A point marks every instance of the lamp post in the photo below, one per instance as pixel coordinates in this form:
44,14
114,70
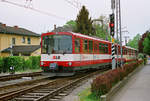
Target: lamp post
11,50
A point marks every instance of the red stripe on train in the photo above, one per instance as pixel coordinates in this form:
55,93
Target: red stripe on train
76,63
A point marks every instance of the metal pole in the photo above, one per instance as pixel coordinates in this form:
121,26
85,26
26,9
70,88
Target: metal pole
120,32
117,30
11,50
112,38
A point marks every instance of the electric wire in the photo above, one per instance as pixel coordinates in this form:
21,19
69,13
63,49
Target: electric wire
33,9
73,4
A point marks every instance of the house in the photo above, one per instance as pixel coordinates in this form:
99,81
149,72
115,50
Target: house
18,41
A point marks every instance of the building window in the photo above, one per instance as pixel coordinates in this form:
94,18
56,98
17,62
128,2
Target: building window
13,41
29,41
23,39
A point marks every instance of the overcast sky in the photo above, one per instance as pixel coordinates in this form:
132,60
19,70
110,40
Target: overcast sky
135,14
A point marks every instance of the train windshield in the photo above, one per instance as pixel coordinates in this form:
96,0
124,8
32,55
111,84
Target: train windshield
57,44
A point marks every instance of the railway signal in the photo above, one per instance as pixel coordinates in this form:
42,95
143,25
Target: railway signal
112,24
112,32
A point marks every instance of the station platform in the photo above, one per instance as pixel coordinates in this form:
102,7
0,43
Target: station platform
137,88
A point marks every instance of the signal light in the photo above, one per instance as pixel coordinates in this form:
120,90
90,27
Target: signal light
112,24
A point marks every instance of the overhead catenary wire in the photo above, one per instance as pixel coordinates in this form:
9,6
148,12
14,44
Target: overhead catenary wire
75,4
33,9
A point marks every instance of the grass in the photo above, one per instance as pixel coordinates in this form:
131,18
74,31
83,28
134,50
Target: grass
87,95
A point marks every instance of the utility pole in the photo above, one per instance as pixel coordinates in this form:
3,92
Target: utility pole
120,32
11,50
112,32
118,28
126,37
117,31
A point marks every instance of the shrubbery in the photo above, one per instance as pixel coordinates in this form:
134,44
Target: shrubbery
19,63
102,84
1,64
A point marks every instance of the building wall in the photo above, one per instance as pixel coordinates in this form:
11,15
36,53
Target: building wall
37,52
6,40
4,54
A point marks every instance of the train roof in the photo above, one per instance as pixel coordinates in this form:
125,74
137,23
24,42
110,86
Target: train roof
90,37
77,34
130,48
86,36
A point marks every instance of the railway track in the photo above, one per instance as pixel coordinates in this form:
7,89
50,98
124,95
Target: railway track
17,76
53,90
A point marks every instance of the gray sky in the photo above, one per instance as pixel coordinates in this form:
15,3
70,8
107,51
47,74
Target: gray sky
135,14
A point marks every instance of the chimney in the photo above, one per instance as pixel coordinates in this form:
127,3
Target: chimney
55,27
16,27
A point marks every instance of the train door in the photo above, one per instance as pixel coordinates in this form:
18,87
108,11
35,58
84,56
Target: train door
77,48
91,51
95,54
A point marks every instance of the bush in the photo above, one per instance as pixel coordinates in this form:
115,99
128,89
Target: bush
27,64
16,62
35,62
1,64
102,84
19,63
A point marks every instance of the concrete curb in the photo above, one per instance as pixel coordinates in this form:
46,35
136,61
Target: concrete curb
119,85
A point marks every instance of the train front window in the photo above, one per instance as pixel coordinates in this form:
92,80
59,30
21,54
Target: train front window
57,44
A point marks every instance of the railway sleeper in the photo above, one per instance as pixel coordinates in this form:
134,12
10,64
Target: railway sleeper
29,96
54,99
36,94
25,99
58,97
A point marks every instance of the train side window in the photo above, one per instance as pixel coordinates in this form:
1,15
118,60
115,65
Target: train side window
115,49
125,51
95,47
100,48
85,46
103,48
90,46
128,52
77,45
106,48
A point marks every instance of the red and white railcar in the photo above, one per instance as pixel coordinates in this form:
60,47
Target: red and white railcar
129,54
64,53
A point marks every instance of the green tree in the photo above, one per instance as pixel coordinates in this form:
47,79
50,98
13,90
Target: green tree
1,64
84,23
140,44
134,43
146,44
101,27
72,24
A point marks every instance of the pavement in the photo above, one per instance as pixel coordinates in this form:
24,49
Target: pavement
137,88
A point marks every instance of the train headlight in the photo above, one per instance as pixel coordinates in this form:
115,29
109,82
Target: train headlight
70,63
42,63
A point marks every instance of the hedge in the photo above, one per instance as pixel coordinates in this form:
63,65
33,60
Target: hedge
19,63
103,83
1,64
